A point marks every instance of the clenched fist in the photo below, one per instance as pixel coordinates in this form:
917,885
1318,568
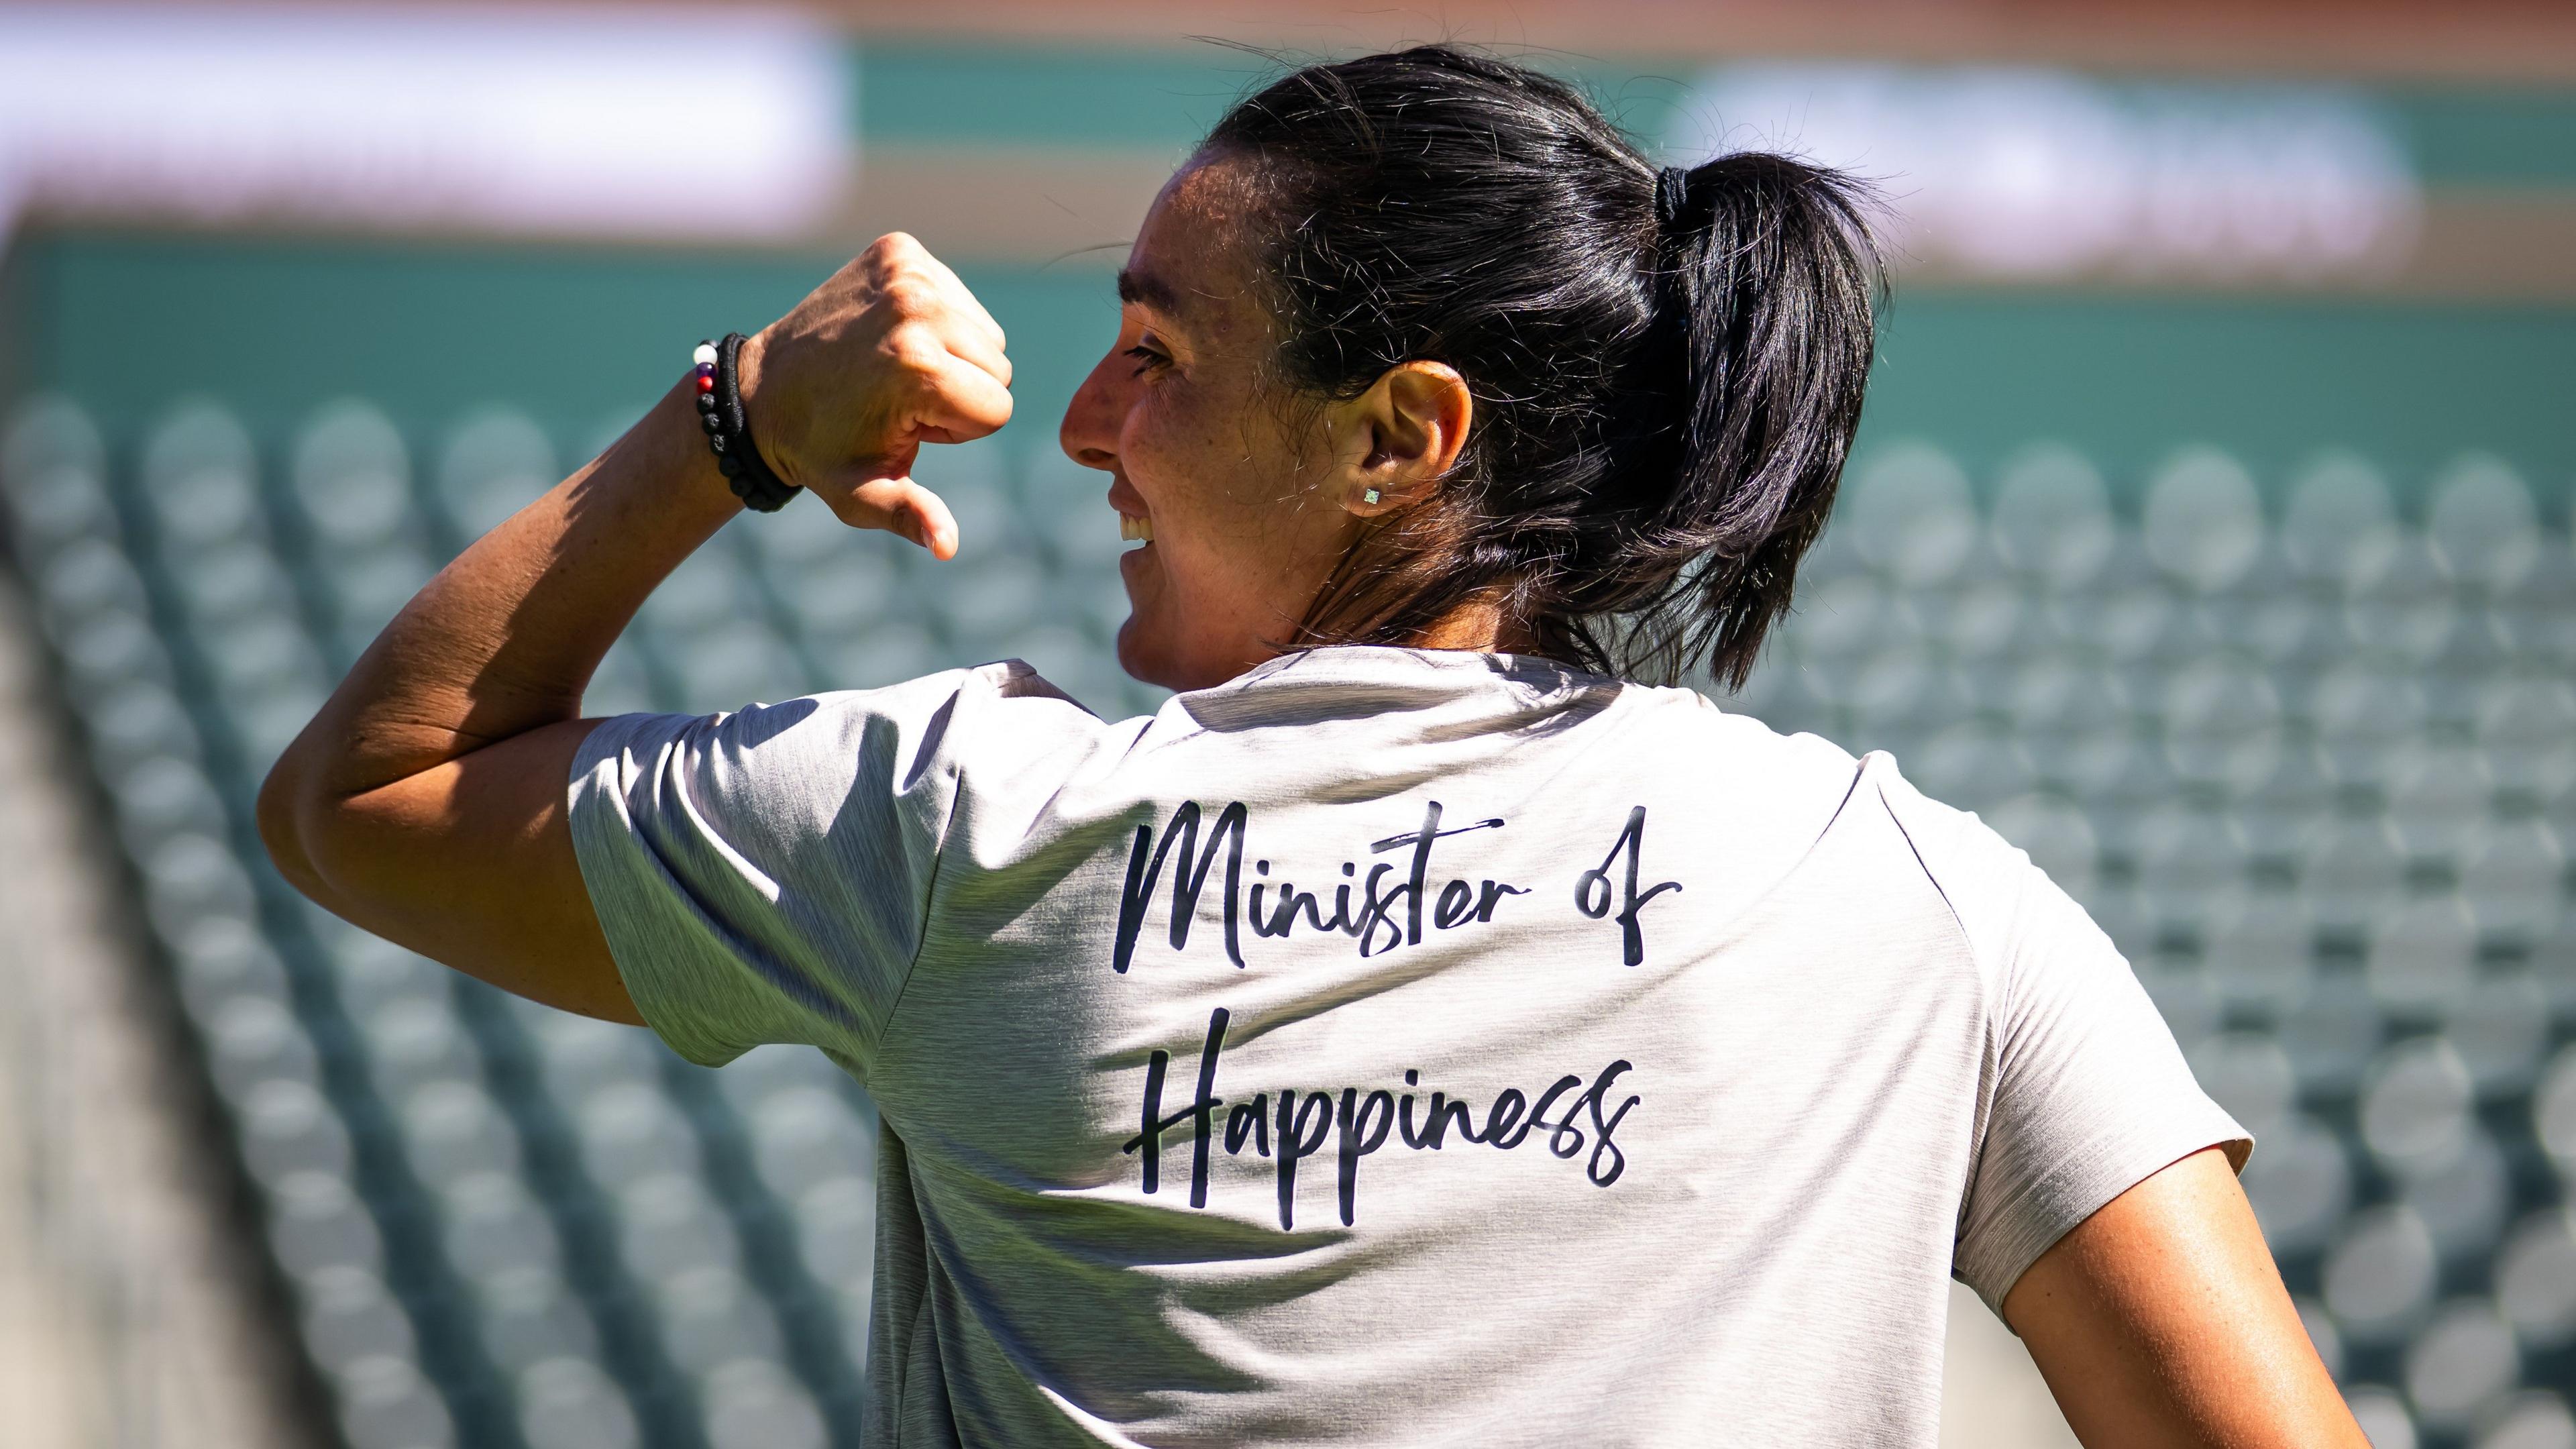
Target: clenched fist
891,352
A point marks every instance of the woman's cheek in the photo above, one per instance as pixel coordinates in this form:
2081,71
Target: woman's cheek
1149,452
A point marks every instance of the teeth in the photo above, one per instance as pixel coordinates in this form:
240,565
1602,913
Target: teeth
1132,528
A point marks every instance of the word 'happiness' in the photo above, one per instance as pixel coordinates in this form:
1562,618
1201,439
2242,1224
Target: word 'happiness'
1360,1121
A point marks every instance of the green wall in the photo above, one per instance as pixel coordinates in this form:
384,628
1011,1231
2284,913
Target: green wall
953,92
582,335
129,323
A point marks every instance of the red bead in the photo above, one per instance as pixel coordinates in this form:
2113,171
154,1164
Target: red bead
706,384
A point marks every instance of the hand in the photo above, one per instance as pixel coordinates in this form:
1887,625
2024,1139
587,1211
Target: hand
891,352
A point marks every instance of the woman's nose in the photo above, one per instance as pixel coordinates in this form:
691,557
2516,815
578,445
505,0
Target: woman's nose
1089,435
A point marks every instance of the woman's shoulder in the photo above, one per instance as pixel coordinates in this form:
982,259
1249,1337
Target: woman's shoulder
993,721
1004,707
1742,743
1745,757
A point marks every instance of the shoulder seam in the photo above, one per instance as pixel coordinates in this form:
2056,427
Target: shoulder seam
1991,1014
1957,921
1833,818
938,868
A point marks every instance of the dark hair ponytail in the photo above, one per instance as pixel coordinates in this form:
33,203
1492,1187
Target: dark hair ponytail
1667,366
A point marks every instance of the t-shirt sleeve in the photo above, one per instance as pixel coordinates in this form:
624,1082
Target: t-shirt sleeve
2089,1094
764,876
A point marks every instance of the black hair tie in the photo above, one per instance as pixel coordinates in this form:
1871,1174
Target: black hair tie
1672,187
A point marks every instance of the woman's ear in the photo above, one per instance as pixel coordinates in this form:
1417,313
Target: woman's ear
1404,434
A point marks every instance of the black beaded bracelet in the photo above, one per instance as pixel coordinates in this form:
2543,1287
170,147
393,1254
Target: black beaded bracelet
729,429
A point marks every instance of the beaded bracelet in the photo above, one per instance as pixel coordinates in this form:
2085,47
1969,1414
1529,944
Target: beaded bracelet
729,429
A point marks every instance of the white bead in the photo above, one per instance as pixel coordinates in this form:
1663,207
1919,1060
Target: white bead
705,356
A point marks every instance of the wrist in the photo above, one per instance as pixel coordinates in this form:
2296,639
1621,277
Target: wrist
725,415
761,414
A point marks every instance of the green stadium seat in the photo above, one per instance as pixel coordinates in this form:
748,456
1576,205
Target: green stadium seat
2383,1417
710,1316
2417,1104
2332,1034
414,1041
2350,867
631,1132
2464,1360
386,1403
490,466
287,1127
2500,1027
2534,1419
251,1038
2052,518
351,1317
754,1404
1067,507
2316,779
2407,612
569,1402
836,593
2261,952
2339,527
2223,726
2462,1192
2300,1184
2203,521
316,1223
2482,524
726,664
349,480
2250,1076
452,1128
2553,1112
2380,1274
2535,1279
2422,957
494,1227
199,479
878,655
669,1223
53,469
836,1219
1911,515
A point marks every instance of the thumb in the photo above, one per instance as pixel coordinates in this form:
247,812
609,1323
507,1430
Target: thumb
897,505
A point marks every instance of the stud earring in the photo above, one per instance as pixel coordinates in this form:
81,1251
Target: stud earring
1369,497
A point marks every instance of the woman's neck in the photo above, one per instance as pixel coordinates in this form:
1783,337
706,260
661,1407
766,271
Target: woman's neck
1477,625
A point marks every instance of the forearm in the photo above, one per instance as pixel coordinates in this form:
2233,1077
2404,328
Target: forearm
496,647
506,637
429,800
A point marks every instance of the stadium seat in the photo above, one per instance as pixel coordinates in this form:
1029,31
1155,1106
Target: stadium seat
2380,1274
2304,743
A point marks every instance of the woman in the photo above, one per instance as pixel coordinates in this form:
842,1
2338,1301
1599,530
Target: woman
1417,1031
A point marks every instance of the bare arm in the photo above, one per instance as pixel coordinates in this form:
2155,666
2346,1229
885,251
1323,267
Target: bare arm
2161,1321
426,802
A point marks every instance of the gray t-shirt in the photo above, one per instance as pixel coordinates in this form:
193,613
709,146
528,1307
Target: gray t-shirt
1390,1047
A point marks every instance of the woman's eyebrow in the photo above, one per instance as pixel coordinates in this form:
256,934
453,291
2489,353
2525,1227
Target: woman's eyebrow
1147,290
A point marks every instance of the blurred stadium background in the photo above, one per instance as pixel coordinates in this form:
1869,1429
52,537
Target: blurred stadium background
2211,534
